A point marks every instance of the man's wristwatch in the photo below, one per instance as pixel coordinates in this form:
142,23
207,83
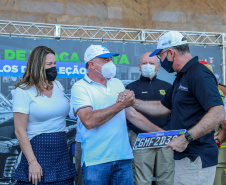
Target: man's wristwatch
188,136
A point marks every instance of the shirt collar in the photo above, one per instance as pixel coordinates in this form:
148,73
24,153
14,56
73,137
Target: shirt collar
89,80
147,79
187,66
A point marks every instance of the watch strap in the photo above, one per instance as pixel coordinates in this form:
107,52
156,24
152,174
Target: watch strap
188,136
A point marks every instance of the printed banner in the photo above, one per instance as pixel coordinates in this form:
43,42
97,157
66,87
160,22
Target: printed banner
65,69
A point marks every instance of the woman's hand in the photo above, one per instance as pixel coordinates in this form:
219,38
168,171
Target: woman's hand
35,172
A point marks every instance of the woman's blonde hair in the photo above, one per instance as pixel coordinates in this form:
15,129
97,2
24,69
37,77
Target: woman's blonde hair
35,70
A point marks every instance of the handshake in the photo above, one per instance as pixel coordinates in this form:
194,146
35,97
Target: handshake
126,98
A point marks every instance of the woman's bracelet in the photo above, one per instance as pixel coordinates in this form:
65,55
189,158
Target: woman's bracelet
31,160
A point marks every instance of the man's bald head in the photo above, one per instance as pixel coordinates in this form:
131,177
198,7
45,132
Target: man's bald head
145,59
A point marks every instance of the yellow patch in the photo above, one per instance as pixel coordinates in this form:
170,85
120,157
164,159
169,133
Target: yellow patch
162,92
221,92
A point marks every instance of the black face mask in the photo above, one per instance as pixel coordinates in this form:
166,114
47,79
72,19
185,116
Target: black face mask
51,73
167,65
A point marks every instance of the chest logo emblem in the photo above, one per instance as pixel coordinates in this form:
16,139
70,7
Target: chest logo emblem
183,88
162,92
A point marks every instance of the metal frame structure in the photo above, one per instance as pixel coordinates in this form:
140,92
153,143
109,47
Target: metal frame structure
77,32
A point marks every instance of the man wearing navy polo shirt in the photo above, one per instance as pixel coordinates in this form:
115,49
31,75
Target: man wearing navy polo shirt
195,104
106,151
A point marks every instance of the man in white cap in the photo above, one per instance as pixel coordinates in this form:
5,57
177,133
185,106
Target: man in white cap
106,151
195,104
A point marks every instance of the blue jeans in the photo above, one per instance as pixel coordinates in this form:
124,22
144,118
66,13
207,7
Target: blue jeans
112,173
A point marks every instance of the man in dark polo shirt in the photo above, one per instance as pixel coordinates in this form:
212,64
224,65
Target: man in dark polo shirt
147,88
195,104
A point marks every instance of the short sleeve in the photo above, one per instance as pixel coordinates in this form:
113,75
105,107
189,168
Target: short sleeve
204,88
21,101
167,99
79,97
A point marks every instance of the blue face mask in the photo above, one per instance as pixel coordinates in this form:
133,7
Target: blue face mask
167,65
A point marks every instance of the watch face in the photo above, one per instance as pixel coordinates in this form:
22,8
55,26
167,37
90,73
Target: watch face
188,136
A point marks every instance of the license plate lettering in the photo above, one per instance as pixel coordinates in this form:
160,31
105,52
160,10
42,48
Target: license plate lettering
157,140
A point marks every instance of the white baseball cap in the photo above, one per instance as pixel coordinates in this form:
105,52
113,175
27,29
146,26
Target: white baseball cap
169,39
97,51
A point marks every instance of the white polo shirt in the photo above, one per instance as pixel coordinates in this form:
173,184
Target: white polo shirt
108,142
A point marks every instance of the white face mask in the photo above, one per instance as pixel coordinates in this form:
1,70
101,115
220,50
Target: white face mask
148,70
108,70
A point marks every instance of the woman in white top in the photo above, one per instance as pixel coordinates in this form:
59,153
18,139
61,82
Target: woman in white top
39,111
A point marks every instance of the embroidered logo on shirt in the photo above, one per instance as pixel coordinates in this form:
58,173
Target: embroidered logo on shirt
162,92
183,88
144,92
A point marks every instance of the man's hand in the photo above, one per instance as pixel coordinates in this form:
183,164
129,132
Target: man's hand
126,98
222,135
121,97
178,144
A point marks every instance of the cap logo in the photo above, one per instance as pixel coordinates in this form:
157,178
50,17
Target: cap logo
163,44
104,49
